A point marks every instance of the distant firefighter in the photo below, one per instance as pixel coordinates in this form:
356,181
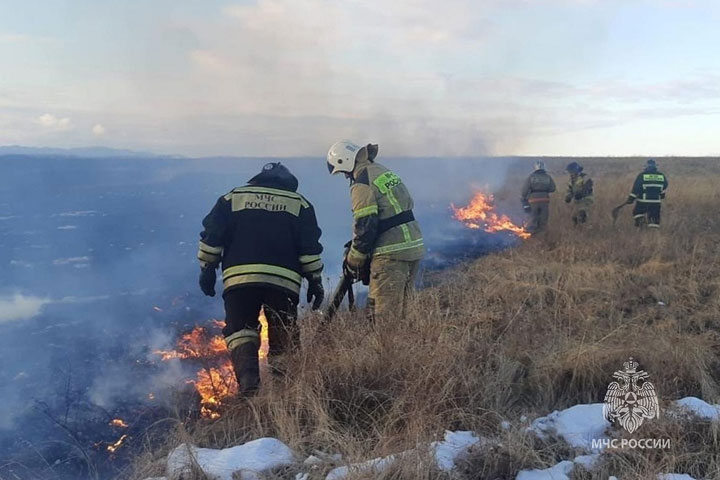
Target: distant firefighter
387,244
649,192
536,197
579,192
267,238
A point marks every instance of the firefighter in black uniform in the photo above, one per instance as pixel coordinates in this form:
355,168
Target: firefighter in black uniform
267,238
649,192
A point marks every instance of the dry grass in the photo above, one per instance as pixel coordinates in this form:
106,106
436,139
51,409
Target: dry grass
527,331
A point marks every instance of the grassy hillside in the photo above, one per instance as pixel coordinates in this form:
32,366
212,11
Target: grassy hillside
533,329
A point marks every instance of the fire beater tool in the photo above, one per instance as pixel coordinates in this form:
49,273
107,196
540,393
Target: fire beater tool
616,211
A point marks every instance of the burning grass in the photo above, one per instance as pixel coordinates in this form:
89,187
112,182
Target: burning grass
215,378
523,332
480,214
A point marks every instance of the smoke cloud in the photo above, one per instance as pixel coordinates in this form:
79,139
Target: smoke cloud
20,307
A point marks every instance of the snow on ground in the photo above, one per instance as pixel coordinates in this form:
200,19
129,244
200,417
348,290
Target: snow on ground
445,453
588,462
455,445
246,461
700,408
373,466
561,471
578,425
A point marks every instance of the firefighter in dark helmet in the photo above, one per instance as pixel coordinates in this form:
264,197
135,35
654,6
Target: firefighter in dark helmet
386,237
648,192
266,237
579,192
536,197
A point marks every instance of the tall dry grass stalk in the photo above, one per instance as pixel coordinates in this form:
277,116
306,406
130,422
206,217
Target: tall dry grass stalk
523,332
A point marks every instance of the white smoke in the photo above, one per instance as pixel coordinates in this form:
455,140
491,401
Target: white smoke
20,307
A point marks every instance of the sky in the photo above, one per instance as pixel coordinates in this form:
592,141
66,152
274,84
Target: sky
420,77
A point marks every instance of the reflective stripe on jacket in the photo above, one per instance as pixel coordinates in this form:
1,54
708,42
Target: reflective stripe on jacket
580,189
649,186
378,194
264,236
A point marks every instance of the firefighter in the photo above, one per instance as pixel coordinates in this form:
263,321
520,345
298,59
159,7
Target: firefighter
580,192
267,239
536,197
649,192
387,244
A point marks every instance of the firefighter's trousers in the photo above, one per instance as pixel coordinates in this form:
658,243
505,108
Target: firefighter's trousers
539,212
391,283
242,330
647,212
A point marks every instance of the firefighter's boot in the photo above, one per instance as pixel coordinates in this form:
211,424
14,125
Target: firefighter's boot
244,346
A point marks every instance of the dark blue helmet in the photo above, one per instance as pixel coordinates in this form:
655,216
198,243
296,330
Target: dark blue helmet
574,167
651,163
275,174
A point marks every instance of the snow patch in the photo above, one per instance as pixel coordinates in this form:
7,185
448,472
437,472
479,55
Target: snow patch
445,453
674,476
77,213
700,408
561,471
373,466
67,227
245,461
452,448
71,261
588,462
578,425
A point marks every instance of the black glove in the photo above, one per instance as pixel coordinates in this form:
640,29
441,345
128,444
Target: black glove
526,207
630,200
662,195
207,280
568,198
316,290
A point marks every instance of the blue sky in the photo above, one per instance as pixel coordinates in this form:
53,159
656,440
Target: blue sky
422,77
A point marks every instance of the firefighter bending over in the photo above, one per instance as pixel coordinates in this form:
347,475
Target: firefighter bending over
649,192
386,237
267,238
536,197
579,192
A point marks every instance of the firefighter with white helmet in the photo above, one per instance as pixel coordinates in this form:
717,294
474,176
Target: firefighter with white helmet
387,241
536,197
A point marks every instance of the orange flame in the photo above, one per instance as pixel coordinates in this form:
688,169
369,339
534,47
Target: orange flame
479,214
216,380
118,422
113,448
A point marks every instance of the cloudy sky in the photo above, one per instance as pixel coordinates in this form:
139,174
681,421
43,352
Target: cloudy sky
421,77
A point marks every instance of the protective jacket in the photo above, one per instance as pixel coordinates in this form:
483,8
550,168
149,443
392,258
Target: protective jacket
538,187
649,186
384,224
265,234
580,189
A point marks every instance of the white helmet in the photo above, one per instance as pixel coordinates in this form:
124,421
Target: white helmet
341,157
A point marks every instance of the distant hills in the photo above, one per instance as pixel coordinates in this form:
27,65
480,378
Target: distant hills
84,152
